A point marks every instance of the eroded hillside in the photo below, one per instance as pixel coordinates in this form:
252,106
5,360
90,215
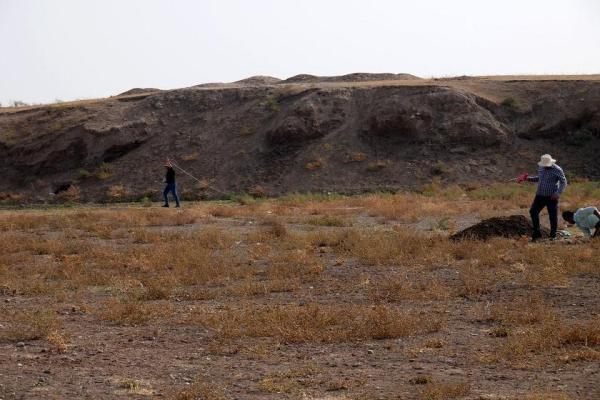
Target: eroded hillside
303,134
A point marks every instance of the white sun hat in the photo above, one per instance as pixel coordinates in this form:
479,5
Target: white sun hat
546,161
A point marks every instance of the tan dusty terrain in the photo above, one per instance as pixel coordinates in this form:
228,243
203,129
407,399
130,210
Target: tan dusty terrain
302,297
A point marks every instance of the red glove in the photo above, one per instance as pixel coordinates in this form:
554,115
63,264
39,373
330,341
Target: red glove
523,177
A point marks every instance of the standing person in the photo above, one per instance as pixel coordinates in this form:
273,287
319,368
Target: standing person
586,219
171,186
551,183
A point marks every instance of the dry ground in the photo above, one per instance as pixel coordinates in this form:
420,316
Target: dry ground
302,297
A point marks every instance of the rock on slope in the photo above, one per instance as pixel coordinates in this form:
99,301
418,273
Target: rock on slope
299,137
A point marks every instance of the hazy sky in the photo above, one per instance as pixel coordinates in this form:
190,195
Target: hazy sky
67,49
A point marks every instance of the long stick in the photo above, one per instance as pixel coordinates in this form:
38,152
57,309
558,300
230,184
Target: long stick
196,179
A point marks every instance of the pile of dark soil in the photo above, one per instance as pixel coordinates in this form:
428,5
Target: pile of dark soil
513,226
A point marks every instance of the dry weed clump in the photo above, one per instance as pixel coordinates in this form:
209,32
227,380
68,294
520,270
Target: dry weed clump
553,335
524,310
328,220
289,381
72,194
31,325
124,311
402,247
443,391
198,389
316,323
399,287
272,227
250,287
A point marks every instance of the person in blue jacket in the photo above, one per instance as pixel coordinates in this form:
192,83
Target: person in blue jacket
551,184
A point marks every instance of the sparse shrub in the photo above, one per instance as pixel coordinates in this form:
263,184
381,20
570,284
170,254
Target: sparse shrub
274,227
158,288
57,340
440,168
356,156
510,102
198,390
246,131
129,384
11,198
115,192
444,391
272,104
55,127
190,157
244,199
420,380
72,194
104,172
317,323
146,201
31,325
315,164
257,191
203,184
124,312
378,165
84,174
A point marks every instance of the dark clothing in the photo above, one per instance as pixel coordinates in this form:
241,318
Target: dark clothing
538,205
171,187
170,178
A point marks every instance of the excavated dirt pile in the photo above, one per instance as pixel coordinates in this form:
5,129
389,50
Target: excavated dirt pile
513,226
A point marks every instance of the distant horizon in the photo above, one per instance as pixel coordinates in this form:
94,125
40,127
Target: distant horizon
57,100
69,49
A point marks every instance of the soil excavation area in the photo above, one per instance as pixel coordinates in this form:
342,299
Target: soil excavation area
301,297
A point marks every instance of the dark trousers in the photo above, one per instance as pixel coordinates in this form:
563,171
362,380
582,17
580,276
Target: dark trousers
171,187
538,205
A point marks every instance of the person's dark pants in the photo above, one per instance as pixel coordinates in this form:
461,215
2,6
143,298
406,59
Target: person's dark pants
538,205
172,188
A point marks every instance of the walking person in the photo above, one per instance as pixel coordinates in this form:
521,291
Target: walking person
586,219
171,186
551,183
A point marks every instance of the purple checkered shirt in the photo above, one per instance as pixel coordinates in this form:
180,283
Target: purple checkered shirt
552,181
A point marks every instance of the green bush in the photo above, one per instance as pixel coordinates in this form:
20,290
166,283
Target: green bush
272,103
439,168
510,102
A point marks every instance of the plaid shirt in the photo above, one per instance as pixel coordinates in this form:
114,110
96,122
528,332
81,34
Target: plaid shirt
552,181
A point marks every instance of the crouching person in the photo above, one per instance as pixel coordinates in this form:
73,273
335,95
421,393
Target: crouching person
586,219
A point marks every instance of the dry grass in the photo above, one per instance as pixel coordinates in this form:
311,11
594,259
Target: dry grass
302,271
317,322
443,391
198,390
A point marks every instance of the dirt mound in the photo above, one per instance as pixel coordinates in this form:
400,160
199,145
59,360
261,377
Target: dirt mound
259,80
513,226
138,91
355,77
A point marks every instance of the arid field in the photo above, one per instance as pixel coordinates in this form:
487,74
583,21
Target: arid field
297,297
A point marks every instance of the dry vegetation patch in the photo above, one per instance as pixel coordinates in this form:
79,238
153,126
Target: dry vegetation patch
292,323
314,277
